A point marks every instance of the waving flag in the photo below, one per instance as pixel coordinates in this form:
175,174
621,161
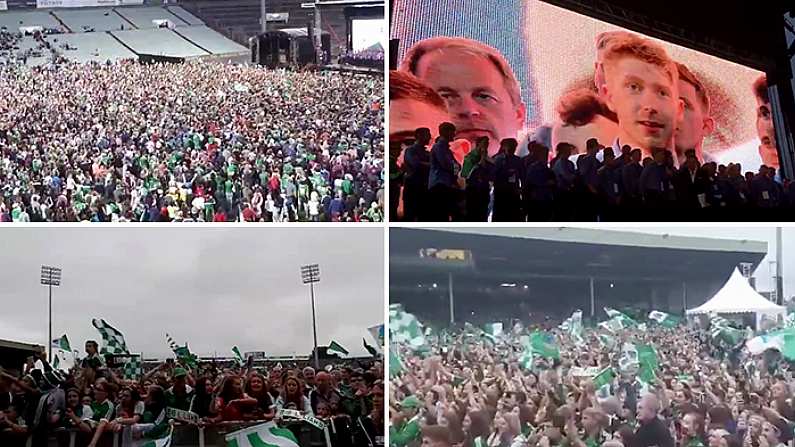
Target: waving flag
337,348
622,318
664,319
133,368
543,345
267,434
405,327
238,356
112,340
183,354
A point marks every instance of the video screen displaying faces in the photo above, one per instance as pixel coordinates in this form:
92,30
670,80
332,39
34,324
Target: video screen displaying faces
529,70
366,34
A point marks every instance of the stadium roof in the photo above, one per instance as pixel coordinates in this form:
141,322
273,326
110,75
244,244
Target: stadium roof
8,344
517,253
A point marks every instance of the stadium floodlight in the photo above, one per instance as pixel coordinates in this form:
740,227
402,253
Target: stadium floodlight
50,277
310,274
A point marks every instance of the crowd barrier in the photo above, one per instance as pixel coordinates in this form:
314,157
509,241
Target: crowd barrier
189,435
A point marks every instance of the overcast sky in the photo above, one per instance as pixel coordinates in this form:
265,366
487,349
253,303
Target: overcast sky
763,273
211,287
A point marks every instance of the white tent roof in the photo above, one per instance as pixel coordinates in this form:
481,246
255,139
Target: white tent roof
737,296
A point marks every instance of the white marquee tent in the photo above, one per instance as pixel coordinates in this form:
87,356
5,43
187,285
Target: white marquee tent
737,296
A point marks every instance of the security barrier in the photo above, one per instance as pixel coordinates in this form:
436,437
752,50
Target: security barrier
189,435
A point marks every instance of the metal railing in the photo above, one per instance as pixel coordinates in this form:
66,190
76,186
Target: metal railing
198,435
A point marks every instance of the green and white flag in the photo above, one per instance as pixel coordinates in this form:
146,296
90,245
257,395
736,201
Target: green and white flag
183,354
112,340
62,355
133,369
162,442
782,340
543,345
721,332
493,329
405,327
604,378
648,363
62,344
575,328
606,341
629,358
789,320
336,347
526,360
395,364
238,356
612,325
622,318
664,319
262,435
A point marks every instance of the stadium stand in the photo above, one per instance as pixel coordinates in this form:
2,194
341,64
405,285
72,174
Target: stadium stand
111,34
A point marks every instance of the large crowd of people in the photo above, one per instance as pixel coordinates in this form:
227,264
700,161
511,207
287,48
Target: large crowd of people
703,388
189,142
438,183
95,401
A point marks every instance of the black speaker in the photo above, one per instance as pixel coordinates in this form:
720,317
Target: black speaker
393,53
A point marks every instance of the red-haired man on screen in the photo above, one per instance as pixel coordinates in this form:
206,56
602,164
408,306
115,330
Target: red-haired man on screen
641,88
696,121
764,124
479,87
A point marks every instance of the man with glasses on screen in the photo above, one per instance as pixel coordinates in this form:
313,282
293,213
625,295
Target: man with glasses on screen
640,86
479,87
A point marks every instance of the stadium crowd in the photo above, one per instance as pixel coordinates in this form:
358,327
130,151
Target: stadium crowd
439,183
95,401
700,388
189,142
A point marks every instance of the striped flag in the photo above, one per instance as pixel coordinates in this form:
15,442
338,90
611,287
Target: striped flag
183,354
112,339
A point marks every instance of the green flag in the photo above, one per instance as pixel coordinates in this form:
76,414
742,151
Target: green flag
605,377
664,319
336,347
112,340
405,327
133,369
371,350
162,442
238,356
62,344
648,363
263,435
543,345
622,318
395,363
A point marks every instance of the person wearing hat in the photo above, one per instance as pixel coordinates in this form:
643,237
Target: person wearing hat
405,427
180,394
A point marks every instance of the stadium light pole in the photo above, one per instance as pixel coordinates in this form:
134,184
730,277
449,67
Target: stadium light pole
264,16
310,274
50,276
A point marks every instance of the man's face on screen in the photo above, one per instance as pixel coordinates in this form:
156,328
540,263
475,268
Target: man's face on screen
766,132
645,100
407,115
478,102
695,124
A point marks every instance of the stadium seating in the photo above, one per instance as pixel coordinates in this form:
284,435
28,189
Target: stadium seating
102,34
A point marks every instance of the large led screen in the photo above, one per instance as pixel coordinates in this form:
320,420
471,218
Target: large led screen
574,81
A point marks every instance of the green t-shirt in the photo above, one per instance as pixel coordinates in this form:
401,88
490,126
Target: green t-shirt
102,410
181,402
